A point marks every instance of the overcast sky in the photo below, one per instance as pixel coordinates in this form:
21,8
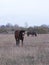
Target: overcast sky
34,12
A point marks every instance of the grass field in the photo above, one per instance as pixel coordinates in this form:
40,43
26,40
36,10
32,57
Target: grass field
35,50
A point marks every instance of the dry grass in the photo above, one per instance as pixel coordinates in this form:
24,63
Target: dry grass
35,50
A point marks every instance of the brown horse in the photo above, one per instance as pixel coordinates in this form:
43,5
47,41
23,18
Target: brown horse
19,35
31,33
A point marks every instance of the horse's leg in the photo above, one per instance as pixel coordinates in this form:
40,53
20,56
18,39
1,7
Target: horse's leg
35,34
22,42
17,42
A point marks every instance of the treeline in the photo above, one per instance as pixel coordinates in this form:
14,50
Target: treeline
39,29
43,29
9,28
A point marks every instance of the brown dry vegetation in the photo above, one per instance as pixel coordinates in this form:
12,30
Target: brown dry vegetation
35,50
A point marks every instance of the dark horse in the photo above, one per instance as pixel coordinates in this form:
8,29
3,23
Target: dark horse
19,35
31,33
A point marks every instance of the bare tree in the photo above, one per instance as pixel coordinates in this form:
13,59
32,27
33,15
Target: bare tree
26,25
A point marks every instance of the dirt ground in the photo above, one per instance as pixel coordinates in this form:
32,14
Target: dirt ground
35,50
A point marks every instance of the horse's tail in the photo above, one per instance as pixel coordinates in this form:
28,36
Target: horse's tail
16,34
